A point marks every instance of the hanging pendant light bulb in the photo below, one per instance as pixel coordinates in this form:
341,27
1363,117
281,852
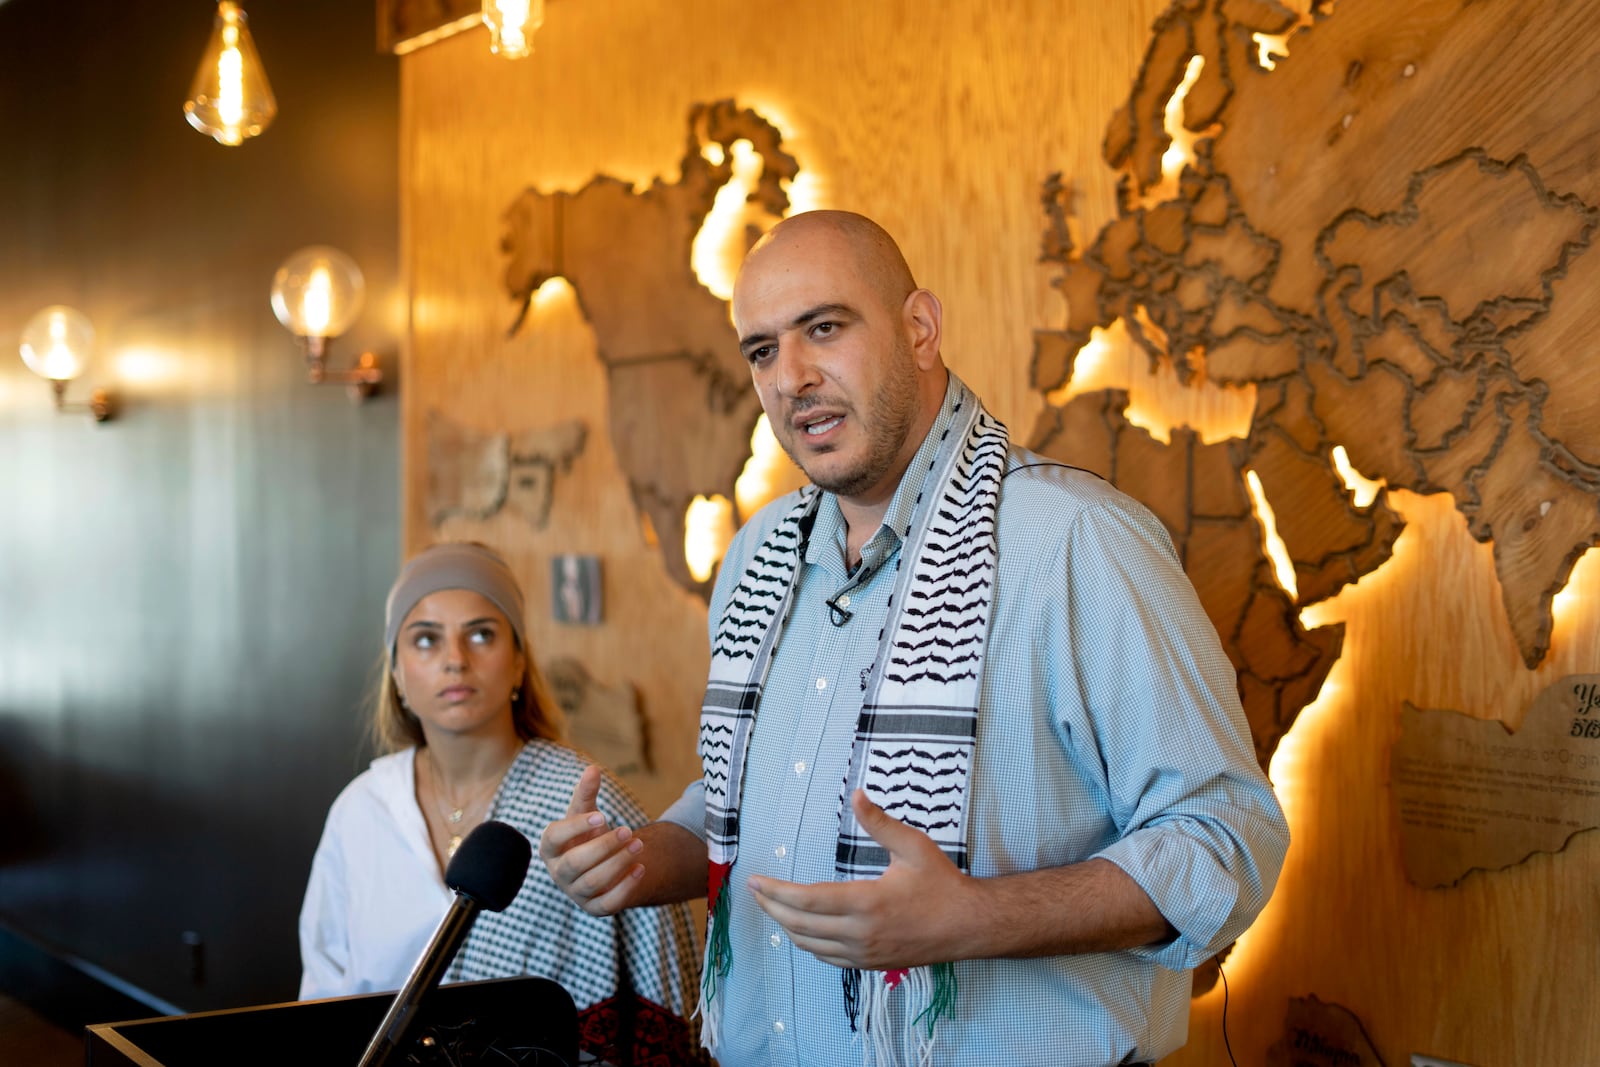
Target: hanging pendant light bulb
511,25
230,99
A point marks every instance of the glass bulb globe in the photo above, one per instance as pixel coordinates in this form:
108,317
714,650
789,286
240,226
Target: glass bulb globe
512,24
318,292
230,99
56,343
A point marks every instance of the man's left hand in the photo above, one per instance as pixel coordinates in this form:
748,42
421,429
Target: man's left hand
914,914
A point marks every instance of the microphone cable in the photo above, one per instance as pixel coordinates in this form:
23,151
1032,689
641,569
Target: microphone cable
1225,1044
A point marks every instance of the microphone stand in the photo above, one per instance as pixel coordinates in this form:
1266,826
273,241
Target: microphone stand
424,977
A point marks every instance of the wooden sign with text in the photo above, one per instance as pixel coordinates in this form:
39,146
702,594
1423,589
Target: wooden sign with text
1320,1034
1470,794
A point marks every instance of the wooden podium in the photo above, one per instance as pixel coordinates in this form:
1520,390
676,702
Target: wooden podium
502,1021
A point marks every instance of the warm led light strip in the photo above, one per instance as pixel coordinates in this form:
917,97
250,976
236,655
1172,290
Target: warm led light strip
438,33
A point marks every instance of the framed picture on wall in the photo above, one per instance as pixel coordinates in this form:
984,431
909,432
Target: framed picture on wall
575,590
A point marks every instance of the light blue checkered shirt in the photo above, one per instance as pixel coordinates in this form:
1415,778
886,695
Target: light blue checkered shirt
1109,726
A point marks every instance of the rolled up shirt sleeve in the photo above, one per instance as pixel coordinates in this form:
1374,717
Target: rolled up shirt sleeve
1149,700
689,810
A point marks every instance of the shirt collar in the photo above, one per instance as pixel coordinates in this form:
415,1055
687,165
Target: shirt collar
827,539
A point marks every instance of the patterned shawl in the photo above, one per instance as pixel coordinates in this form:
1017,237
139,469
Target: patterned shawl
543,933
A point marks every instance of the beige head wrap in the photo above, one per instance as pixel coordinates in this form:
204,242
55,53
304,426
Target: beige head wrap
454,565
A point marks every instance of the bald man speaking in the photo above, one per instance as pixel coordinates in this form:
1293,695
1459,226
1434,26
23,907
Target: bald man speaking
977,785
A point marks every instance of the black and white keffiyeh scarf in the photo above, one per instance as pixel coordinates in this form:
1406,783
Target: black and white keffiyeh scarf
915,736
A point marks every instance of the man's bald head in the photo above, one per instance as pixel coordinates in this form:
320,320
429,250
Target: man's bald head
844,353
841,241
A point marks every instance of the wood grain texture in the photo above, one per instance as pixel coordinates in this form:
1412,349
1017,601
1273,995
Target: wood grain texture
948,128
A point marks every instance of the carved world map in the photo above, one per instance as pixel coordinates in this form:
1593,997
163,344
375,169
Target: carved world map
1396,257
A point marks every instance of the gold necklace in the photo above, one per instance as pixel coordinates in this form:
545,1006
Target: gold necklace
455,815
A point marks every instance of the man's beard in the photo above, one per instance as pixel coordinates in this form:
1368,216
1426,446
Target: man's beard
892,411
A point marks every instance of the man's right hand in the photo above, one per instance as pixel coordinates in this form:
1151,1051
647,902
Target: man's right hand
605,870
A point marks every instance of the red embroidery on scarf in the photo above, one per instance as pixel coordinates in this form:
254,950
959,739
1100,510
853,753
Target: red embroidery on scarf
716,878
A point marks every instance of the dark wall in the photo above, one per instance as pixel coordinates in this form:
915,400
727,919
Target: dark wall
190,595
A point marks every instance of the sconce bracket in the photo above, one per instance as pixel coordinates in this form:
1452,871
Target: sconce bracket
361,381
102,403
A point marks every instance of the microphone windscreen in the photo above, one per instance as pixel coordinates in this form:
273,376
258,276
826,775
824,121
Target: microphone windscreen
490,864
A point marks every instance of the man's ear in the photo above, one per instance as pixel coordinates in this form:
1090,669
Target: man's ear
923,318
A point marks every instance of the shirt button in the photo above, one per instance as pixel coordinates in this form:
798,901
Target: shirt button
822,683
776,940
777,1026
844,601
780,852
800,766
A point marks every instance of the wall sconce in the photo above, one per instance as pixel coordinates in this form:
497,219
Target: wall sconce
512,24
56,344
230,99
317,294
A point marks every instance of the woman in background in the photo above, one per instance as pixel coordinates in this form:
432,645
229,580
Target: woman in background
471,733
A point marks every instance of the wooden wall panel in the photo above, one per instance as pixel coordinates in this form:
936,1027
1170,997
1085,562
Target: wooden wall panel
943,121
1497,969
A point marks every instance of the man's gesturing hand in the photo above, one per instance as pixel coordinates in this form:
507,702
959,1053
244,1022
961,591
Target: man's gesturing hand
910,916
597,867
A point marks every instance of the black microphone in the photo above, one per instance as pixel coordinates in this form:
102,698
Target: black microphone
486,872
838,615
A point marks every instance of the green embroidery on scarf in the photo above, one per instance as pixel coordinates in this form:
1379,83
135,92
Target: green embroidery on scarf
719,955
943,1002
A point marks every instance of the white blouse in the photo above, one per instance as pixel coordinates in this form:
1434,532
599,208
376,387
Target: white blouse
376,893
376,896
